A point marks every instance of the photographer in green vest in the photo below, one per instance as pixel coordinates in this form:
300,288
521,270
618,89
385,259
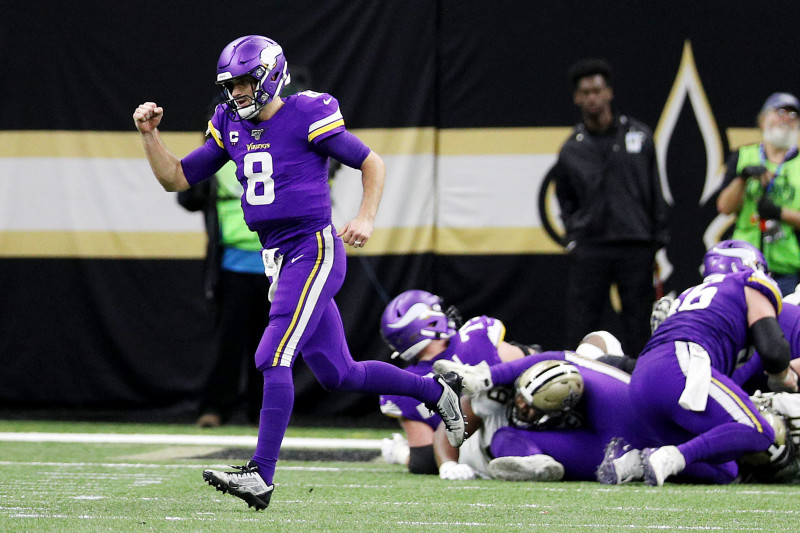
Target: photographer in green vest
762,185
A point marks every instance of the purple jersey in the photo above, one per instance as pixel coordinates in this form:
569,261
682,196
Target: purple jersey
285,179
476,341
682,384
714,315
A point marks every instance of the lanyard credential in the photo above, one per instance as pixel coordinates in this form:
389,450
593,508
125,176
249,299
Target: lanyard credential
763,156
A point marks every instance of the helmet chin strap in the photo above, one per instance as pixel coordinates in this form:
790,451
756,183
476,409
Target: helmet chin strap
248,112
242,112
251,110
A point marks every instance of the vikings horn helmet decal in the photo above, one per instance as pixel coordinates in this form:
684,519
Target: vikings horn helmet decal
412,320
733,256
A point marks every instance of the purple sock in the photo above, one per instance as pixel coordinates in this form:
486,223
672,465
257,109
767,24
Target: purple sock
385,378
372,377
724,443
276,409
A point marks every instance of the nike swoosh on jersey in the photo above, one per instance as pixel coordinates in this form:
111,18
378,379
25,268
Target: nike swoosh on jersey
327,100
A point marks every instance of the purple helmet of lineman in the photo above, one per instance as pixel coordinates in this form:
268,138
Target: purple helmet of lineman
733,256
262,60
411,321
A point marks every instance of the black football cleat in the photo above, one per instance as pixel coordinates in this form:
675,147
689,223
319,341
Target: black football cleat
449,407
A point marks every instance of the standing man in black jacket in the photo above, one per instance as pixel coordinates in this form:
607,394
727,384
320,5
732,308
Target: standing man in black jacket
609,191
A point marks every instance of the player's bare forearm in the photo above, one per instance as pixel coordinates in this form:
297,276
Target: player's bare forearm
165,165
373,177
443,451
357,232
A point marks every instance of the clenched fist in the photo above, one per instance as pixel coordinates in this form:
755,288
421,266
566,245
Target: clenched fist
147,117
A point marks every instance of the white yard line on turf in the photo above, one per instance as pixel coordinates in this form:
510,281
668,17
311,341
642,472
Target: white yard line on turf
208,440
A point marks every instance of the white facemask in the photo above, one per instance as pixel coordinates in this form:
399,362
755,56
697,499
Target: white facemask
249,111
781,136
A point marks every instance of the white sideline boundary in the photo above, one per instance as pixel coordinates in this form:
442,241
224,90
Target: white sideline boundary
205,440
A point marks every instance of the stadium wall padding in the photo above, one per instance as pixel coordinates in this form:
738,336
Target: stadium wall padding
467,101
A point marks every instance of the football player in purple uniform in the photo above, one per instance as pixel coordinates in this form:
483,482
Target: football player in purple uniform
699,414
727,257
420,332
566,407
730,256
735,255
281,148
779,462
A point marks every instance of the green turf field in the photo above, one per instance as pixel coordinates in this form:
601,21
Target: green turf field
76,487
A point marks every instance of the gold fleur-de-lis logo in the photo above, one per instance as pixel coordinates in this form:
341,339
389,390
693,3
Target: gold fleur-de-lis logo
688,86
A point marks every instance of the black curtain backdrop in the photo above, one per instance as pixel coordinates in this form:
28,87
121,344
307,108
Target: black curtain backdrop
123,335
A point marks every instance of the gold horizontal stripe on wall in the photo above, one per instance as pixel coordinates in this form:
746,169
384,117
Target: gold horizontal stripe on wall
113,144
490,241
740,136
103,244
127,145
89,144
184,245
399,141
481,141
116,144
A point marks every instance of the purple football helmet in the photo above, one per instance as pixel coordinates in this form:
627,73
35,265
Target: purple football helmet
260,58
733,256
412,320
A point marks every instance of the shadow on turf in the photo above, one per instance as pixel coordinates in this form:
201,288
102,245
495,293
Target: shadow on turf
242,455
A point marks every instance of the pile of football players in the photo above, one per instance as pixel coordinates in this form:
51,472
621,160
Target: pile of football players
712,398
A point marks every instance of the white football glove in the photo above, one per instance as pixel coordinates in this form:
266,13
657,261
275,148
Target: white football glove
474,378
788,405
455,471
660,312
793,298
395,450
